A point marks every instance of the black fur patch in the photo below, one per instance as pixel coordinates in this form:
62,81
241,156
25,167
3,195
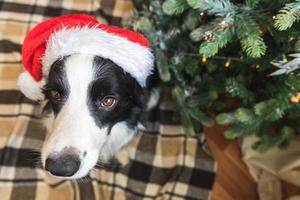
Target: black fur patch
110,79
57,81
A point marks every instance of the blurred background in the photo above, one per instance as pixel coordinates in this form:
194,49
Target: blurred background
227,125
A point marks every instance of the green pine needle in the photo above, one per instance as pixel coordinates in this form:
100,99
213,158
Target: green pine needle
201,117
245,115
192,20
213,7
162,65
241,96
197,34
174,7
269,110
288,15
250,36
238,89
233,132
254,46
226,118
252,3
220,40
195,3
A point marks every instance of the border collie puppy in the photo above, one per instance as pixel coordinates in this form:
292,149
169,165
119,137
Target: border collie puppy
97,109
94,78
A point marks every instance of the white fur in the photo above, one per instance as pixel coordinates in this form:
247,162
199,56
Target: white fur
132,57
74,127
154,98
29,87
120,135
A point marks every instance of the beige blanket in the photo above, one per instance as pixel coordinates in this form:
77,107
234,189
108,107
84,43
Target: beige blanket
159,164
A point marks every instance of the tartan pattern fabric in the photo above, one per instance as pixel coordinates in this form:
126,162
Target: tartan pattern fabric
159,164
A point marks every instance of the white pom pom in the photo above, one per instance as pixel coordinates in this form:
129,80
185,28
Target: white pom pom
29,87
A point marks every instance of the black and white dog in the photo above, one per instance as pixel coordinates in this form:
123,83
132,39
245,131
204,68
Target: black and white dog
97,110
97,99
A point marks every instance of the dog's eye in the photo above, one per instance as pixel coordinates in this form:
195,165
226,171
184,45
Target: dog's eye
106,102
54,95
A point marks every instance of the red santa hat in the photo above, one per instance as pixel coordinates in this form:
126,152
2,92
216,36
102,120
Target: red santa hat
78,33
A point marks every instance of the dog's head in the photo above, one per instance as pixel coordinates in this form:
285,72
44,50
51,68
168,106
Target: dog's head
96,105
92,75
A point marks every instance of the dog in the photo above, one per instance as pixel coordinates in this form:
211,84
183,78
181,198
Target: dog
97,110
97,80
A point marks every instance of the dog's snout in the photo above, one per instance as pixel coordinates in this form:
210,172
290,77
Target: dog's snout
65,164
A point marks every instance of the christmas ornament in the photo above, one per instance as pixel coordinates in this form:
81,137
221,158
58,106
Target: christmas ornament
295,99
78,33
285,66
208,36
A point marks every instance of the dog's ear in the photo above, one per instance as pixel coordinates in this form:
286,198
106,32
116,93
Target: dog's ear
140,102
139,97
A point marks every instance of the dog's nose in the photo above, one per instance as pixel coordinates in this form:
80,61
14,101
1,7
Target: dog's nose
63,165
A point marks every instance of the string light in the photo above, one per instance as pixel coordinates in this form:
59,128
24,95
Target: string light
257,66
202,13
284,58
204,59
291,38
228,62
223,24
274,17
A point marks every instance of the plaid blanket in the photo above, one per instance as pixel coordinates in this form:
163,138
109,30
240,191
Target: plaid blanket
159,164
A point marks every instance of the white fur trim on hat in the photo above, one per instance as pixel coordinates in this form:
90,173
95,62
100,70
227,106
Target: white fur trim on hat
134,58
31,88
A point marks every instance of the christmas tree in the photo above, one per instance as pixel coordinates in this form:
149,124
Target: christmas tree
230,59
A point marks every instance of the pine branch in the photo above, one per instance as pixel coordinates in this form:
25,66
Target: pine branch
282,140
238,89
254,46
198,34
269,110
162,65
250,36
192,20
200,117
220,39
288,15
252,3
261,105
244,115
226,118
213,7
240,129
297,45
174,7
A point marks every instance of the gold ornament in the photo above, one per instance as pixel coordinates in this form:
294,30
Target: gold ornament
295,99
